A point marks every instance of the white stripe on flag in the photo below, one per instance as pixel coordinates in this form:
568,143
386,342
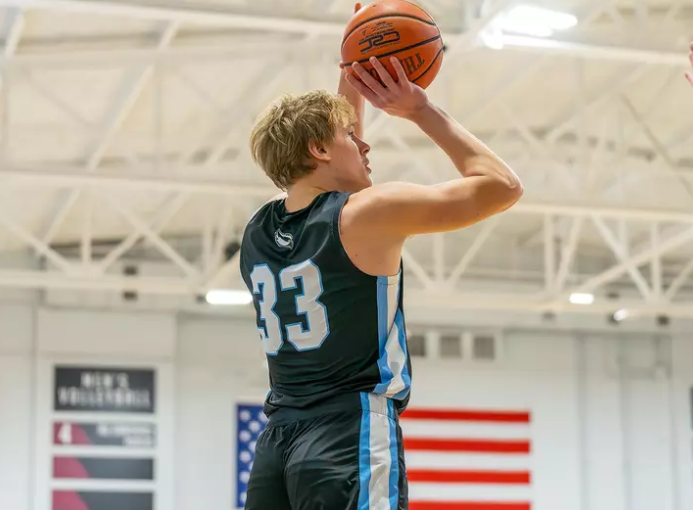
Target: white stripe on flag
463,430
466,461
460,492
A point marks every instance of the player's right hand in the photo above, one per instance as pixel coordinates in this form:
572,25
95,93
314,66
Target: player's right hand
400,98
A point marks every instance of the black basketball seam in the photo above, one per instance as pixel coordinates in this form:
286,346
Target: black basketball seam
440,52
396,51
409,16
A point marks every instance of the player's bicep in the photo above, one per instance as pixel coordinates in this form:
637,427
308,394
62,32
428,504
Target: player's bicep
405,209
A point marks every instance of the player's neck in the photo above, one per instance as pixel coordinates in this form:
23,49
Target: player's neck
301,195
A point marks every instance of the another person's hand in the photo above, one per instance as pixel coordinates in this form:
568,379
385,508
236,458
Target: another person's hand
689,74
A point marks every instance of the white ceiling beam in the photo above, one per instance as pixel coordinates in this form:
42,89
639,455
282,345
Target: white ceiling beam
486,230
417,299
167,209
130,92
568,252
678,282
643,257
153,237
218,18
622,257
418,270
113,180
594,51
564,121
12,33
29,239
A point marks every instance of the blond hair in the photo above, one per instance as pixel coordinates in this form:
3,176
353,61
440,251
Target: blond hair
280,139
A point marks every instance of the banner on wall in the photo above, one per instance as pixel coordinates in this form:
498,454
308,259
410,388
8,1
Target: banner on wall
457,458
128,435
93,500
100,468
104,389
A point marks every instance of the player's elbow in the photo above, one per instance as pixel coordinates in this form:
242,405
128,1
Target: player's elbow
512,193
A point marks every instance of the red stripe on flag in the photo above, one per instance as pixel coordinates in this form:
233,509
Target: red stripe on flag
467,445
450,415
467,505
494,477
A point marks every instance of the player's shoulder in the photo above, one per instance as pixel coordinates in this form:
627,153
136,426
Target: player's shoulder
261,211
380,195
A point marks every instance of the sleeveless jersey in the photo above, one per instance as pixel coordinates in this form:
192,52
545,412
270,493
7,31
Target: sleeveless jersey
327,328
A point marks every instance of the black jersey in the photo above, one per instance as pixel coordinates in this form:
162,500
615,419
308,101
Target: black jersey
327,328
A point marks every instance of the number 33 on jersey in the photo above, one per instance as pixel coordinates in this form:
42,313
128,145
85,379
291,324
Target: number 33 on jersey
267,286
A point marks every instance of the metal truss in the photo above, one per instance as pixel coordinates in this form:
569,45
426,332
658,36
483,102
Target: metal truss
644,276
570,237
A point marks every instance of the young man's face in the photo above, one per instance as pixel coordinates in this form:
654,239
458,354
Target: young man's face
349,162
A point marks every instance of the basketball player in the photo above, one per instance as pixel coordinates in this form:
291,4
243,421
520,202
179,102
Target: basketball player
324,264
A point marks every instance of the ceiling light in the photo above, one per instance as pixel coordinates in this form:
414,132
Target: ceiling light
621,315
578,298
534,21
229,297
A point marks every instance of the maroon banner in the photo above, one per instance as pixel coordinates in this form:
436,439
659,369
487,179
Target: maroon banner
92,500
98,468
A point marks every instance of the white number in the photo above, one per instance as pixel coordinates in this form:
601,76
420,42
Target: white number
65,433
263,284
307,304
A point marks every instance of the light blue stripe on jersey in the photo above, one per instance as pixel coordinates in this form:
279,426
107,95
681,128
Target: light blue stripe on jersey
365,454
383,331
395,379
406,377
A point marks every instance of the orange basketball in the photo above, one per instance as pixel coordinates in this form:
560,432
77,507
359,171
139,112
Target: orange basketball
396,28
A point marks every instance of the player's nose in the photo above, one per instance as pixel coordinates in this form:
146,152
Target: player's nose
364,148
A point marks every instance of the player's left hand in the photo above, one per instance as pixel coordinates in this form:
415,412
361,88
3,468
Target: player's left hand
689,74
401,98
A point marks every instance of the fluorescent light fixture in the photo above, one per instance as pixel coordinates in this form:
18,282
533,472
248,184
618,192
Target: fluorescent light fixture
581,299
229,297
621,315
492,38
534,21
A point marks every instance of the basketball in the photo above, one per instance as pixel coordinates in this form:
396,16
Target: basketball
396,28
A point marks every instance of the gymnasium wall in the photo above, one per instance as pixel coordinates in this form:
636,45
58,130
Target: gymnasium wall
609,417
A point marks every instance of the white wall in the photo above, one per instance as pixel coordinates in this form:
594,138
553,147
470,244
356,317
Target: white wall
603,438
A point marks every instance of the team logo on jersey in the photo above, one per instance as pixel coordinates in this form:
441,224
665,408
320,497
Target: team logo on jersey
285,241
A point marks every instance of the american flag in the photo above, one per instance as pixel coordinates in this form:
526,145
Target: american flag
457,459
250,422
461,459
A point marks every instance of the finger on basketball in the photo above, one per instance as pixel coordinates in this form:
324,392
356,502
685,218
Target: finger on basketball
384,74
689,77
357,7
399,69
371,82
362,89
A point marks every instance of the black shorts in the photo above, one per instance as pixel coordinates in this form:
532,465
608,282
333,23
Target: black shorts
348,459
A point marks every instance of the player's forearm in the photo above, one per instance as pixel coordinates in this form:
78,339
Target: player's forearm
356,100
469,155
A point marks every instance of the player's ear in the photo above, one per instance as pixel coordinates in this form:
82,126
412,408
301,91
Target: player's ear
319,151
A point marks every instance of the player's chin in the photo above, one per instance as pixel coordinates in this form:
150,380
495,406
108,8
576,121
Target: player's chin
366,183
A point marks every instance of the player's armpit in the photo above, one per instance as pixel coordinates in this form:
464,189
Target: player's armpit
402,209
